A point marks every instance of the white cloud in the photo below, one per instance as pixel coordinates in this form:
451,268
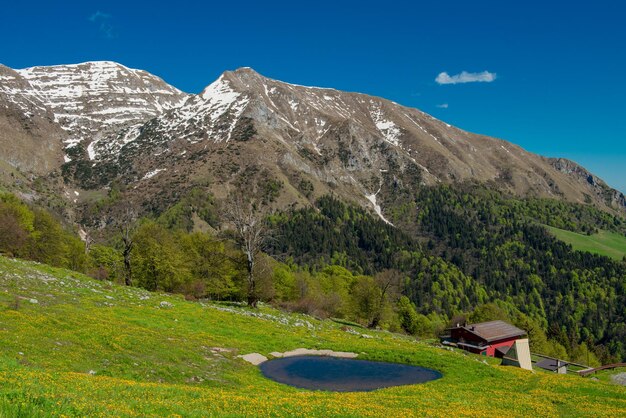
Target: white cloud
442,106
465,77
99,15
103,21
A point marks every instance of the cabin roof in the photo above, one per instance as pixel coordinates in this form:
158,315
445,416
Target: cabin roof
551,364
494,330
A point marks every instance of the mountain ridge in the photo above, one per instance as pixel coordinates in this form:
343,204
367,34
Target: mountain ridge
349,143
85,98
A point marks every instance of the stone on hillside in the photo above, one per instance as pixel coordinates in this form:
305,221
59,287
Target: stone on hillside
165,305
254,358
619,378
313,352
216,350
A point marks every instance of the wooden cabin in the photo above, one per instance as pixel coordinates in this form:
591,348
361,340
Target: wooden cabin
493,338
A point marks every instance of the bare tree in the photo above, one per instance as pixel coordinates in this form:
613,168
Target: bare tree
126,226
251,233
389,283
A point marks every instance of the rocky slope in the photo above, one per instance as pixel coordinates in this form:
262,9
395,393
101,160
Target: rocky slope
95,98
30,139
289,142
314,140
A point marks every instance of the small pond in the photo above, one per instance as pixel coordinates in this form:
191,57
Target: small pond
342,374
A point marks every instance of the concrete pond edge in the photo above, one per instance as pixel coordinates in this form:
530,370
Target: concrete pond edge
257,358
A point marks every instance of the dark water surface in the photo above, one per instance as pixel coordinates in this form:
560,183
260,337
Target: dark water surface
343,375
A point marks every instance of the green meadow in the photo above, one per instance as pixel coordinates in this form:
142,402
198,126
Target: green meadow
75,347
610,244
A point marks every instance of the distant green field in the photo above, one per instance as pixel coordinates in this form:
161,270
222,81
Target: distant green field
606,243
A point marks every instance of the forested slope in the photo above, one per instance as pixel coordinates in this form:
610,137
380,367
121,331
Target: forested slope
452,254
463,246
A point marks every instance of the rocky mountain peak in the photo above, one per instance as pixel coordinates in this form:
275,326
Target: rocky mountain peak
246,79
93,98
243,73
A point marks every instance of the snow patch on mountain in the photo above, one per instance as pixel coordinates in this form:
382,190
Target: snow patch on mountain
111,146
212,114
153,173
98,96
377,208
91,153
389,130
219,95
13,87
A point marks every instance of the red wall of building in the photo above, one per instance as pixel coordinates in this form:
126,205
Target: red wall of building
491,349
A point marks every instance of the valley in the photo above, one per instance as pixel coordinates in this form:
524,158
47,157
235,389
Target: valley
149,237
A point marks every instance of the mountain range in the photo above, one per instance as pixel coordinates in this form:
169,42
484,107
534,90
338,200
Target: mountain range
86,128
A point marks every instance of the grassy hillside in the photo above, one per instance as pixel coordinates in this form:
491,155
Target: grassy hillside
606,243
72,346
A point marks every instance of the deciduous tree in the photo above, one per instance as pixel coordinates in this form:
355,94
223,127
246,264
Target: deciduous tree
252,233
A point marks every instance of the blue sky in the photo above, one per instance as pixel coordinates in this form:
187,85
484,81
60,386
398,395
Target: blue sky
560,67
